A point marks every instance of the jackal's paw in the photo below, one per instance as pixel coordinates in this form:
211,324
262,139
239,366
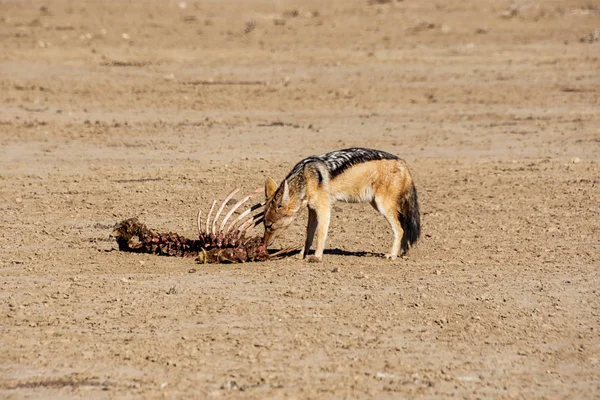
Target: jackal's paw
390,256
314,259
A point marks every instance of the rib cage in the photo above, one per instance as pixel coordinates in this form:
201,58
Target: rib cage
228,243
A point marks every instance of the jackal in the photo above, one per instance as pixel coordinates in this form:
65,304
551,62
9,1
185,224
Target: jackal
353,175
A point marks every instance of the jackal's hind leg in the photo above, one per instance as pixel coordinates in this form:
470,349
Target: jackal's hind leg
391,215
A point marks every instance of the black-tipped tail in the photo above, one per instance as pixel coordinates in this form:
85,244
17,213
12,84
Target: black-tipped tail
410,218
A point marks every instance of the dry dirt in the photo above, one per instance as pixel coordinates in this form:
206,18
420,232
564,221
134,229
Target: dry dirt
113,109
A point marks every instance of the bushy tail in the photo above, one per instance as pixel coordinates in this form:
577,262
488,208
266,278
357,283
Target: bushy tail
410,218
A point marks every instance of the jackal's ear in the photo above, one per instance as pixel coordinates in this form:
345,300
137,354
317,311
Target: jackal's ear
270,187
285,197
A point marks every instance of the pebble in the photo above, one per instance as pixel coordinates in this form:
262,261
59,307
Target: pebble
575,160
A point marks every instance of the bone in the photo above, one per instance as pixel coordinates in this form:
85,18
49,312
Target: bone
209,214
251,222
251,226
243,215
240,217
286,250
199,222
249,218
257,222
236,206
220,210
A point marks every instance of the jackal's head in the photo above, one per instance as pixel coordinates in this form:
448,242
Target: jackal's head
280,209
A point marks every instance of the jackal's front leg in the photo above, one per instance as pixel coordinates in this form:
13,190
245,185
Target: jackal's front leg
323,217
310,232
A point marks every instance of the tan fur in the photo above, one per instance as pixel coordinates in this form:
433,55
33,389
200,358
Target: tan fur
382,183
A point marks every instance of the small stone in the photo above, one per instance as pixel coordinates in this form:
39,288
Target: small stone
18,200
250,26
191,270
575,160
230,385
336,269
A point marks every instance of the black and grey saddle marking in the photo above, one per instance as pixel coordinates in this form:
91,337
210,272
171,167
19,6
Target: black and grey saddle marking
340,160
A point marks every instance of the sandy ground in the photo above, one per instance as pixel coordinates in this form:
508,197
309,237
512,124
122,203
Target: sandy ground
153,108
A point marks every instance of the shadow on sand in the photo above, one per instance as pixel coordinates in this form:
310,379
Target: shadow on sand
337,252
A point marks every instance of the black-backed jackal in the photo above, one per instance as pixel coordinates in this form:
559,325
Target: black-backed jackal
352,175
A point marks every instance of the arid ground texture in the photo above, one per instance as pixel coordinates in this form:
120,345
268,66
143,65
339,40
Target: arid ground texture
152,109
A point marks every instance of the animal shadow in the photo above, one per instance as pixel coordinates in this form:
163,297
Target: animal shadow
337,252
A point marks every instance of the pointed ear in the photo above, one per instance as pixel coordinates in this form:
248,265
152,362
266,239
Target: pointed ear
285,197
270,187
